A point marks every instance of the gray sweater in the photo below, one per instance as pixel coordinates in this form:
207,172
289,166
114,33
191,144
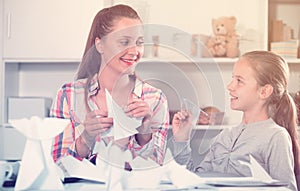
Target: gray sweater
266,141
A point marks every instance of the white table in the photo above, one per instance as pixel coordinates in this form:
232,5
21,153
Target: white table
92,186
83,185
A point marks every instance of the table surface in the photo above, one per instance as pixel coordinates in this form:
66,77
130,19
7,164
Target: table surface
75,184
84,185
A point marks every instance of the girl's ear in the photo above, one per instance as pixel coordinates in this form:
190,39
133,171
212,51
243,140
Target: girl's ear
266,91
98,44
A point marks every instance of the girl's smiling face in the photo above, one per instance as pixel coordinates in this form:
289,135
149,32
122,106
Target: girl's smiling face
243,88
123,47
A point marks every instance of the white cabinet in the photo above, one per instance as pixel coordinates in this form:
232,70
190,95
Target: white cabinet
41,45
47,30
41,42
12,144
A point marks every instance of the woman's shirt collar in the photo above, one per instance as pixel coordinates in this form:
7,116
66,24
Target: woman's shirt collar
94,86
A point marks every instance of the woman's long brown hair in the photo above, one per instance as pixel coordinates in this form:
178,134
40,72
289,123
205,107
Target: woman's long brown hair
101,26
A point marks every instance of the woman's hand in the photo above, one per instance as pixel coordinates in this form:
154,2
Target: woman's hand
138,108
95,123
182,126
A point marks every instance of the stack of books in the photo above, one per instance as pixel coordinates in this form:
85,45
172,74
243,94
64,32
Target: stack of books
286,49
283,41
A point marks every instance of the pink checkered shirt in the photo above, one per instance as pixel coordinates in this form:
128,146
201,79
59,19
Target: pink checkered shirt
69,104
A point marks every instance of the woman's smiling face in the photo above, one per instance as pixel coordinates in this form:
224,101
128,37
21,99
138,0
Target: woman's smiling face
122,48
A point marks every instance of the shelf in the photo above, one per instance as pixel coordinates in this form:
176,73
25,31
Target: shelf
293,60
191,60
210,127
42,61
6,125
218,127
285,1
208,60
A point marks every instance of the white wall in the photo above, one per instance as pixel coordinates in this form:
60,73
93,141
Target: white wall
43,80
188,80
1,76
195,16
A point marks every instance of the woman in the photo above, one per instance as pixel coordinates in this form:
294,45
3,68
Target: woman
113,48
268,130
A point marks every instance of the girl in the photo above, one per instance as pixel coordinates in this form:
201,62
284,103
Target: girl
268,130
113,49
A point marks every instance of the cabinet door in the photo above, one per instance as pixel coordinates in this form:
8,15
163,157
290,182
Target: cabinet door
48,29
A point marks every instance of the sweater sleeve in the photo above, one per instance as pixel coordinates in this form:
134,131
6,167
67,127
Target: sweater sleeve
280,160
182,154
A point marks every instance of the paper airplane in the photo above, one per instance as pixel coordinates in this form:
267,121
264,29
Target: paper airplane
258,173
259,177
124,126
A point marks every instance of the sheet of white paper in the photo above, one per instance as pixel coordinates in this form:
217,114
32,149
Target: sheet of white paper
116,167
140,163
102,159
145,174
243,182
38,170
259,177
181,177
178,174
258,172
124,126
107,169
83,169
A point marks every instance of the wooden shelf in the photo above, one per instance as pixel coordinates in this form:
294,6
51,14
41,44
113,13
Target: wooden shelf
191,60
285,1
42,61
210,127
293,60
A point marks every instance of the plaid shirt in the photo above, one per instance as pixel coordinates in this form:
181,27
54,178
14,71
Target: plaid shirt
69,104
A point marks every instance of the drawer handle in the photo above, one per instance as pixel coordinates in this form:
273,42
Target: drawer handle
8,24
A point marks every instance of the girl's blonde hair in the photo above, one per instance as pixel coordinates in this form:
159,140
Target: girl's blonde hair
272,69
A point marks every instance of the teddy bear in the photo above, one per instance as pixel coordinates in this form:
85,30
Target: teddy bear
216,46
224,42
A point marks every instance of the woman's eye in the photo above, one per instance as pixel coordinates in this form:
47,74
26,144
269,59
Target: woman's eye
124,42
140,43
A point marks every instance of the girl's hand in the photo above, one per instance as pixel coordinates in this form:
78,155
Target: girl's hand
203,119
95,123
182,126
